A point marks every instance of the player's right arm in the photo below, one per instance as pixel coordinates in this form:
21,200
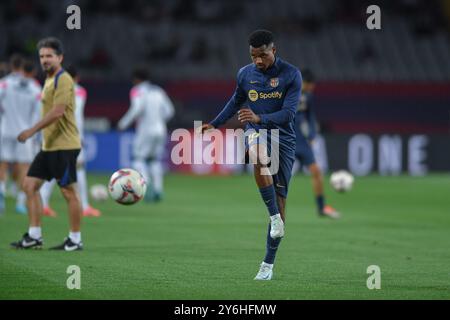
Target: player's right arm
52,116
230,109
61,100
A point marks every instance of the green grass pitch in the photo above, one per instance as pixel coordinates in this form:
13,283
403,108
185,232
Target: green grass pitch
207,239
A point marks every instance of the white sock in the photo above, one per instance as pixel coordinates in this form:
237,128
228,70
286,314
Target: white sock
75,237
46,192
275,216
35,232
13,189
82,188
141,167
267,264
21,198
156,172
2,187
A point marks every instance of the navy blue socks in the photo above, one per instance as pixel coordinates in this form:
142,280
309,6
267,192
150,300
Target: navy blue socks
320,200
271,248
270,199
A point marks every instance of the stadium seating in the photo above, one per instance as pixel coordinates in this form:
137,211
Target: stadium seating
207,39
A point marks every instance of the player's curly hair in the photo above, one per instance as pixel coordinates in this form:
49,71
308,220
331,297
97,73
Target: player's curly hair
260,38
53,43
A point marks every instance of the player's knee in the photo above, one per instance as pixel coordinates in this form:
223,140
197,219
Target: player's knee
138,163
315,170
262,170
68,193
253,155
3,167
29,186
263,157
258,155
26,187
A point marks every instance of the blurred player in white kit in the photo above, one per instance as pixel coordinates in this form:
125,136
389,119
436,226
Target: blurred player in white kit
19,110
152,109
47,188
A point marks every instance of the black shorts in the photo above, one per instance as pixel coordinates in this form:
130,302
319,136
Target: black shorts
60,165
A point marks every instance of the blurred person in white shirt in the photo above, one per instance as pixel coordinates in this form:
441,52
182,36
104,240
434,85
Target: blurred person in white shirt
151,109
19,109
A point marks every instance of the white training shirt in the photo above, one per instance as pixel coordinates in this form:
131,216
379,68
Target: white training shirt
20,99
80,101
150,107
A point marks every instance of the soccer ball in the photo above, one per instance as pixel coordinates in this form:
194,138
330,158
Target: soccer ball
341,181
98,192
127,186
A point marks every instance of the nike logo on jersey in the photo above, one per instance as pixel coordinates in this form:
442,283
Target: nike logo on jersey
279,185
253,81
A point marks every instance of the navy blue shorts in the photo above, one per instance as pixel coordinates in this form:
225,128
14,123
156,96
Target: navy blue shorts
60,165
304,153
282,160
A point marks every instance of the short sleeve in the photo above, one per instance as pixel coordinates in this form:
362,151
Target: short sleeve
63,91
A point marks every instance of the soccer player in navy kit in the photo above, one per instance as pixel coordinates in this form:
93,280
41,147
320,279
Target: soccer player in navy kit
266,97
303,150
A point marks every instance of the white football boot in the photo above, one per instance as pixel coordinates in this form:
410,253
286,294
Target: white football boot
265,272
276,226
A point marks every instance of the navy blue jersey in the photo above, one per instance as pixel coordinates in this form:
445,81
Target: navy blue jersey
305,113
303,150
272,94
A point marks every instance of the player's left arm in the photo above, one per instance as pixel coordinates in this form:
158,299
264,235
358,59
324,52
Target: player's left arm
287,112
169,110
61,100
136,108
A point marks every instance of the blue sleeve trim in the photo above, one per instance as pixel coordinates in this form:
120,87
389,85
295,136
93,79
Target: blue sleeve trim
60,72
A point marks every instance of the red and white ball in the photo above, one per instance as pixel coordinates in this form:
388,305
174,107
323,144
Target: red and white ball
127,186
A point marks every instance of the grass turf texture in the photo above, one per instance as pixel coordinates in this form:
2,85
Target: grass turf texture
207,239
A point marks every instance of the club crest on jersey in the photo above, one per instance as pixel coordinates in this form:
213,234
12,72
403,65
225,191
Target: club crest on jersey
274,82
253,95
